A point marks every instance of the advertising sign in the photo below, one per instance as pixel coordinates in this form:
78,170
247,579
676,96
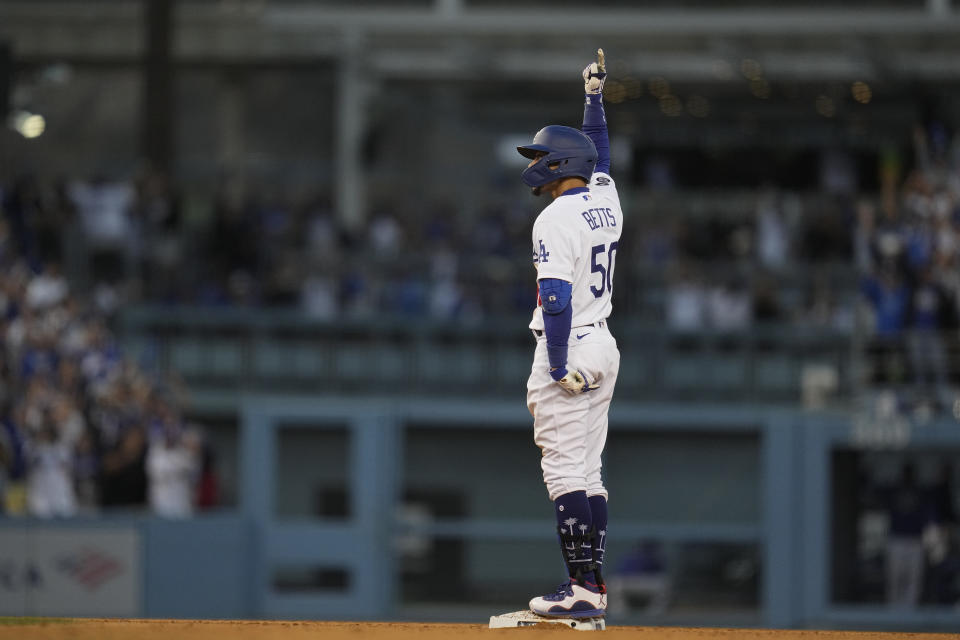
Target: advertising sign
59,571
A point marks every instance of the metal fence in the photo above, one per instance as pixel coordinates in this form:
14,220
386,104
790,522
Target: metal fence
232,350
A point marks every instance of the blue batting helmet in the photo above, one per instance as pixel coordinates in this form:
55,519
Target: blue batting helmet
569,150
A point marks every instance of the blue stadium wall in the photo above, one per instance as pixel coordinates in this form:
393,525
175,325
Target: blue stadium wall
748,477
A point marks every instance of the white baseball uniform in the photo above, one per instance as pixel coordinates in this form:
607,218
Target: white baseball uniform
575,238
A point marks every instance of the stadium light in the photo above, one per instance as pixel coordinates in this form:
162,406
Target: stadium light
29,125
861,92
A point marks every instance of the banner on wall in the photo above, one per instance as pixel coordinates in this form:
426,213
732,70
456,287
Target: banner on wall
61,571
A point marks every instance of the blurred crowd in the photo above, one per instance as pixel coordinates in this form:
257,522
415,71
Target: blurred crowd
906,248
785,261
142,240
84,428
767,256
81,427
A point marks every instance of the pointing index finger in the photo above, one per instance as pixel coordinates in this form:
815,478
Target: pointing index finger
601,63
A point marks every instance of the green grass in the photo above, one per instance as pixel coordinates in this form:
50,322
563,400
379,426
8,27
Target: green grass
31,620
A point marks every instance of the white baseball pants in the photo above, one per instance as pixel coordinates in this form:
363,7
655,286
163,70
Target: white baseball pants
571,431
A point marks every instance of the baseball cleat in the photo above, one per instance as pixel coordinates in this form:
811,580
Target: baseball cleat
572,600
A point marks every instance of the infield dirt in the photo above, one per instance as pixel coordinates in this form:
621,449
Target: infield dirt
301,630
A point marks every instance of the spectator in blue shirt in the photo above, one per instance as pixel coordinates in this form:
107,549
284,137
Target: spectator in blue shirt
889,296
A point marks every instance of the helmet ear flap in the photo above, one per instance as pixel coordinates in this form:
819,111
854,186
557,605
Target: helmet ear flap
573,154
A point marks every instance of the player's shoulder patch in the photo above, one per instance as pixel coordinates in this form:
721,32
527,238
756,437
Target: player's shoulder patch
601,180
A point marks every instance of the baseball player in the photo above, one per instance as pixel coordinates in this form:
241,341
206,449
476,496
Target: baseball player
575,366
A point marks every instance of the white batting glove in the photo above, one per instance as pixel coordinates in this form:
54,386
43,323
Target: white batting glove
574,381
595,74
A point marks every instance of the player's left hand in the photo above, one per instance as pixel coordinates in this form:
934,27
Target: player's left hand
574,381
595,74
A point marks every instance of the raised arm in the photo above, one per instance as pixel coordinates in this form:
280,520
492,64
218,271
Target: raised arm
594,119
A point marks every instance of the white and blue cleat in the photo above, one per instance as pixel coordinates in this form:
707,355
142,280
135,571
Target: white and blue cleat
572,600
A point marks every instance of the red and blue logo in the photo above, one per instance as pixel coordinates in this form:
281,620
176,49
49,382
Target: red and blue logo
90,568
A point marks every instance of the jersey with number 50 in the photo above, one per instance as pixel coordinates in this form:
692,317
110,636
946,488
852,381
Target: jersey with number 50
575,238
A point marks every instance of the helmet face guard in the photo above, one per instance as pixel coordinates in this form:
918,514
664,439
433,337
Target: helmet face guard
563,152
541,173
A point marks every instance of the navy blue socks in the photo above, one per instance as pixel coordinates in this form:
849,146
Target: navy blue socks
598,510
575,525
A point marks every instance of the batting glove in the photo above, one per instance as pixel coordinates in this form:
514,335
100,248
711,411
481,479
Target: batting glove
573,381
595,74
